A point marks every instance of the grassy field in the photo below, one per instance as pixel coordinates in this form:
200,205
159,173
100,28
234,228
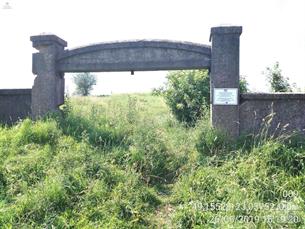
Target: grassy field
124,162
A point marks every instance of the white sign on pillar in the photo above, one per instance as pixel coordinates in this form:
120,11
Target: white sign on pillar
225,96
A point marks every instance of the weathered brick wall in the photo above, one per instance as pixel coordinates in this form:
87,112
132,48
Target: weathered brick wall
14,104
288,112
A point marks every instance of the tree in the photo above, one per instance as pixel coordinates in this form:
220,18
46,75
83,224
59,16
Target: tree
187,93
84,83
278,83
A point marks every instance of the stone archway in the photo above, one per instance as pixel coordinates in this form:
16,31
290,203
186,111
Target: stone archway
222,58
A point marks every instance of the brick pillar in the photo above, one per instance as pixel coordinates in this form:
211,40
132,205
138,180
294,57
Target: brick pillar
48,88
224,76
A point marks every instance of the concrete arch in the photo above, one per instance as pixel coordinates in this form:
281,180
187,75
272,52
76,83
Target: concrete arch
222,59
138,55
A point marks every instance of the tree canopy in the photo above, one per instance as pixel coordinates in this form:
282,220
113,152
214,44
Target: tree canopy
84,83
278,83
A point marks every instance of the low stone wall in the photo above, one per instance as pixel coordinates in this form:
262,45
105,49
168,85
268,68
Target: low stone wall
14,104
287,111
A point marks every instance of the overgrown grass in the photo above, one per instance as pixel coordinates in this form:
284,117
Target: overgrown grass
124,162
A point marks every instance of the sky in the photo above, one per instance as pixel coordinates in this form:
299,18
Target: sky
273,30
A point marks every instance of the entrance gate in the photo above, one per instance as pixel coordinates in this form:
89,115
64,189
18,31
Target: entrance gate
221,58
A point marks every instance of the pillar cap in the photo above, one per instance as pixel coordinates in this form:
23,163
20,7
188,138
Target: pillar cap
47,39
226,30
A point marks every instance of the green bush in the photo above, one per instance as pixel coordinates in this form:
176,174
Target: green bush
243,85
188,94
